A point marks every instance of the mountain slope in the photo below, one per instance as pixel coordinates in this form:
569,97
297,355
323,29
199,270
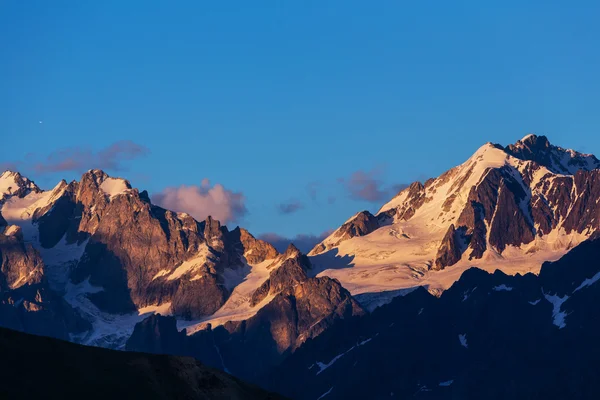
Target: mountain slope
116,257
487,336
296,309
508,207
39,367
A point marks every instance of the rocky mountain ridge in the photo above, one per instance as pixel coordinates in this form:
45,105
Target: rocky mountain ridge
95,262
118,253
521,204
490,335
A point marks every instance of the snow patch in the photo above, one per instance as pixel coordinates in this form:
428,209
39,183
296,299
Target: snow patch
467,293
463,340
203,256
114,186
447,383
325,394
323,366
244,281
533,303
502,287
588,282
11,230
108,330
557,315
160,273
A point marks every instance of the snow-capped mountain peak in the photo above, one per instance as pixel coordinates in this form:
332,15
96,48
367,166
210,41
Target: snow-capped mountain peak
510,207
556,159
14,184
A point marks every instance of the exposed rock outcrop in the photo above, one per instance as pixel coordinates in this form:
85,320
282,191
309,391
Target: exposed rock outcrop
361,224
26,302
450,251
135,253
301,308
474,340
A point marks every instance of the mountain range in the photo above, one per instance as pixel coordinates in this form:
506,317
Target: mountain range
429,297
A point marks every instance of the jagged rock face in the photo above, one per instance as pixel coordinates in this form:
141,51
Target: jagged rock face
59,217
317,303
301,308
415,197
255,250
291,272
501,198
450,250
585,211
361,224
472,340
131,243
14,184
510,225
495,205
20,263
140,254
26,302
158,335
538,149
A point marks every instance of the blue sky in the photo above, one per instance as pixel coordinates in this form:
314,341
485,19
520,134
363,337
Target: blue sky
283,101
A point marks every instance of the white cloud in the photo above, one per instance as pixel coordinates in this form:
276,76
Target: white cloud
204,200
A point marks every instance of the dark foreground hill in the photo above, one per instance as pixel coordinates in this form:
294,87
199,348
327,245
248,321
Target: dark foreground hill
35,367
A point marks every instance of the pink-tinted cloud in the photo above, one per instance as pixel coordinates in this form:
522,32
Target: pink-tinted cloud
290,207
366,185
204,200
79,159
304,242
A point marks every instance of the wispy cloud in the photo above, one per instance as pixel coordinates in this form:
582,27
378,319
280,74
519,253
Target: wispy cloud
204,200
290,207
304,242
79,159
368,186
312,189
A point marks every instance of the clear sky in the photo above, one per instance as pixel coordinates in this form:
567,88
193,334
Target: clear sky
304,111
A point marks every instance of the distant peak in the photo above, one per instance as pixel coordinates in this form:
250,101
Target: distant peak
291,250
530,136
95,175
13,183
532,140
539,149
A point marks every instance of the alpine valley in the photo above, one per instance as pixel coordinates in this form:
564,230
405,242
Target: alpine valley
480,283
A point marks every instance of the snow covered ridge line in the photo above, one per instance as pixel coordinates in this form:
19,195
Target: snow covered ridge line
426,236
510,208
77,226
